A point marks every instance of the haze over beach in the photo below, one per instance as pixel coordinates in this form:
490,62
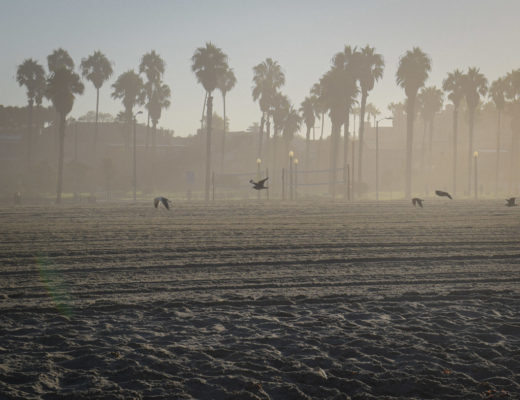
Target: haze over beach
245,200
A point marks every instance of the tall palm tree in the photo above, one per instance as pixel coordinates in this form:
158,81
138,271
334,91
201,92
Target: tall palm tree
31,75
337,84
453,86
308,111
225,84
129,89
58,59
268,77
474,85
411,75
368,67
209,63
497,93
97,69
432,101
152,66
62,86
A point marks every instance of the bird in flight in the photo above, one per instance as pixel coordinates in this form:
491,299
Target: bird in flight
259,185
417,201
511,202
165,202
442,194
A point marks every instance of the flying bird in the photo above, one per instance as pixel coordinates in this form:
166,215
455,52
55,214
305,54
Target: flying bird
259,185
417,201
442,194
511,202
165,202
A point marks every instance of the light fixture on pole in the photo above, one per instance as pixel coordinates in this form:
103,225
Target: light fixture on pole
377,155
135,162
475,158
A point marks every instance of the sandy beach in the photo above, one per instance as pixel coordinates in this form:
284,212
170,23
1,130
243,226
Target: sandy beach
260,300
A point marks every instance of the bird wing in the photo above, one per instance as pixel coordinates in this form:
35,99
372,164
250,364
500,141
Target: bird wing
156,201
449,196
261,182
164,200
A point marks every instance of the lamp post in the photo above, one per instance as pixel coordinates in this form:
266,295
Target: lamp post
135,162
291,157
475,158
295,178
258,176
377,156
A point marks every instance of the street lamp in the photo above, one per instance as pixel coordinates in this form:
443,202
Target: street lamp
295,178
291,157
377,155
475,158
134,167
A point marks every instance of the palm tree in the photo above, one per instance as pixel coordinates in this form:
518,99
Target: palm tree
337,86
209,64
291,125
130,89
31,75
474,85
412,72
308,111
432,101
97,69
513,94
62,86
279,111
453,85
497,94
267,79
59,59
225,84
368,69
152,65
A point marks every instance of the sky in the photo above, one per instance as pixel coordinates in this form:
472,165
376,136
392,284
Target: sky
301,35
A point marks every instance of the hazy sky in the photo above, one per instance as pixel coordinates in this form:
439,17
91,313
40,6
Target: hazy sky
301,35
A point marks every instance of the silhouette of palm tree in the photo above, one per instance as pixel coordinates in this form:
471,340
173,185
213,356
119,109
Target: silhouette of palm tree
291,125
267,79
152,65
338,86
59,59
62,86
368,68
209,63
130,89
453,86
474,85
308,110
431,100
159,101
279,110
31,75
225,84
412,72
97,69
497,91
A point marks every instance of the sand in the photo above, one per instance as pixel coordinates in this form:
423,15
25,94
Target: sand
260,301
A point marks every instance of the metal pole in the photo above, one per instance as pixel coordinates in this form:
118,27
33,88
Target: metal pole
283,183
295,181
267,176
213,186
134,166
348,182
290,178
476,176
377,161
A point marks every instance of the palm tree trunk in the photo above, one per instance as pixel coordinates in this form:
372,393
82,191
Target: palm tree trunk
97,113
454,161
261,135
154,136
423,154
470,147
346,135
223,136
268,140
361,136
274,151
208,145
497,167
307,144
203,109
409,145
334,135
430,164
320,143
61,141
29,133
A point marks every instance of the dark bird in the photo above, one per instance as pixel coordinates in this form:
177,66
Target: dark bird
259,185
165,202
416,201
511,202
442,194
